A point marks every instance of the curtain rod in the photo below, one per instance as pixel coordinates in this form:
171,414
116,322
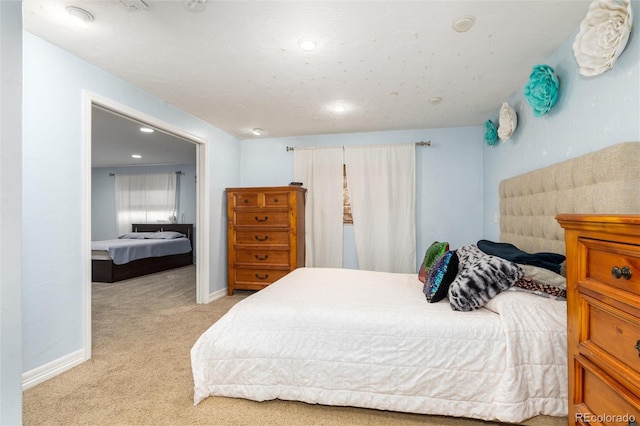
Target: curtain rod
421,143
179,172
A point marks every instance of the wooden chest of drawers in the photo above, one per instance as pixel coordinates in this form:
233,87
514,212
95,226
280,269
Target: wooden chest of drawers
603,318
265,235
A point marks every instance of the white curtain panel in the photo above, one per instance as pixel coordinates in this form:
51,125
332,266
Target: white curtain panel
381,181
320,171
145,198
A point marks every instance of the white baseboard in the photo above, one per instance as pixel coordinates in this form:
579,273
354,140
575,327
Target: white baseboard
217,295
52,369
67,362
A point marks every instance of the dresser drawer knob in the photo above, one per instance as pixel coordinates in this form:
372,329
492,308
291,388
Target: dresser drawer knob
264,219
262,277
265,238
638,347
624,272
265,257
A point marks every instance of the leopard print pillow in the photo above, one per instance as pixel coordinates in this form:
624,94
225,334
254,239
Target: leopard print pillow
480,278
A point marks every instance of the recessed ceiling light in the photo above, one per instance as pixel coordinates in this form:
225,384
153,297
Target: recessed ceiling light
80,16
195,5
307,44
257,131
339,107
146,130
464,23
136,156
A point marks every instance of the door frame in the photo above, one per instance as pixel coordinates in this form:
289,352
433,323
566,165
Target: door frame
202,200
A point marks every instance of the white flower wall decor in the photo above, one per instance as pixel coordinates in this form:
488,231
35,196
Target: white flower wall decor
603,35
508,122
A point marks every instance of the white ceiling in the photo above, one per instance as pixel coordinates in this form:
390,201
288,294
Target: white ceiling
114,139
238,66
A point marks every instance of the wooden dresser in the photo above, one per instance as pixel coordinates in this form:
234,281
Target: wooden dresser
603,318
265,235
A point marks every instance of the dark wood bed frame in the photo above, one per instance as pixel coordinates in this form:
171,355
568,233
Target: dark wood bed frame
105,271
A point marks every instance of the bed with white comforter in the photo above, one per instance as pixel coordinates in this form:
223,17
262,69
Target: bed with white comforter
369,339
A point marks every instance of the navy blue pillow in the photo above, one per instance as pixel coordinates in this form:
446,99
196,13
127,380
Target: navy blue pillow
550,261
440,276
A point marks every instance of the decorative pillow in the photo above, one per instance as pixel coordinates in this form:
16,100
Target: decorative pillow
532,286
550,261
480,278
435,250
544,276
440,276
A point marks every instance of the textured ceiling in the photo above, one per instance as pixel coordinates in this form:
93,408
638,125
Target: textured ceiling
238,66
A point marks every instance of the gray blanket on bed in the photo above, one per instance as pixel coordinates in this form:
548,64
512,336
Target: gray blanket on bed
125,251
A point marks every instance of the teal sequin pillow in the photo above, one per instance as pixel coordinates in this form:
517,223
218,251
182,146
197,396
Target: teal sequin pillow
435,250
440,276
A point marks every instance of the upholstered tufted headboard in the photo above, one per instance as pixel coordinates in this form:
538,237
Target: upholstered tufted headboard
605,181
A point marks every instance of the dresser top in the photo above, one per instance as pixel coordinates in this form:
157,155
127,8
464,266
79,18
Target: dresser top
628,219
603,226
267,188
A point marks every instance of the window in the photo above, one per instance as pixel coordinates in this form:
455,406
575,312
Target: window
346,202
146,198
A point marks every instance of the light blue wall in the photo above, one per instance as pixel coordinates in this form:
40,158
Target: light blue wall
591,113
53,154
10,212
448,179
103,196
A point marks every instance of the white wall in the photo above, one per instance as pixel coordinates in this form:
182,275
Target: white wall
591,113
448,179
53,154
10,212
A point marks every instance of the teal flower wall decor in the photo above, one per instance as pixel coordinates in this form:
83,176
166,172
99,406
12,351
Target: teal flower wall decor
490,133
542,89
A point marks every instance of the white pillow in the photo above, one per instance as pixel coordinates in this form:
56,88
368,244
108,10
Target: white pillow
544,276
160,235
166,235
135,235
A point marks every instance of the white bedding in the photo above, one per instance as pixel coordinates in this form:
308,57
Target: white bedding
370,339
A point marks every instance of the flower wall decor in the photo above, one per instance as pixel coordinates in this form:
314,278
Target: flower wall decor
490,133
542,89
508,122
603,35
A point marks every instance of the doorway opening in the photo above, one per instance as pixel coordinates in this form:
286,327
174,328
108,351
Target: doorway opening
98,108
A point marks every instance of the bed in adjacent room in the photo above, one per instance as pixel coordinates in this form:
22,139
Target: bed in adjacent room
484,336
149,248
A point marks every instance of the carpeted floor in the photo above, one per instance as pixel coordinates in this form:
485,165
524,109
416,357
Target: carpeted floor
140,372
